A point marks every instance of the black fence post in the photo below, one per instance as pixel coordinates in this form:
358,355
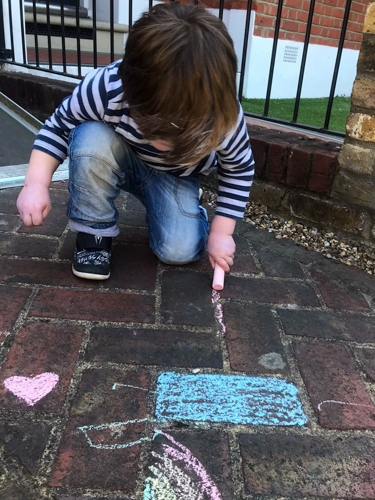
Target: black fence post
4,52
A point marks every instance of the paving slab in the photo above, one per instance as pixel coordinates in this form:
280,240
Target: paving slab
152,386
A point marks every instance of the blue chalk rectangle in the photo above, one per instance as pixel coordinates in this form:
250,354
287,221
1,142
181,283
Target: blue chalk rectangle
228,398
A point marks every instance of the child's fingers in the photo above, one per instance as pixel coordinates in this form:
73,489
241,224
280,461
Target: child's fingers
37,216
46,211
223,264
26,219
34,218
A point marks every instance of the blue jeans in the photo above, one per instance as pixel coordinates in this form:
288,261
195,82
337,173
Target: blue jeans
101,164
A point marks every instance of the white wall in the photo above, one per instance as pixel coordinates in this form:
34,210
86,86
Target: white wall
319,67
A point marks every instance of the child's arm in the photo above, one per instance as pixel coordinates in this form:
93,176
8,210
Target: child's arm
220,244
235,176
34,203
87,102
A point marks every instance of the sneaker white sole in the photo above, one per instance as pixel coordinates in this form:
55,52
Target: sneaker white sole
89,276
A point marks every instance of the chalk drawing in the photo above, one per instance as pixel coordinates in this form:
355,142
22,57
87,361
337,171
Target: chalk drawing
31,389
115,385
341,403
218,311
227,398
213,398
159,486
170,480
112,426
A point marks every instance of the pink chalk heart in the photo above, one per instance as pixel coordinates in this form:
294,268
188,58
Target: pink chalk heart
31,389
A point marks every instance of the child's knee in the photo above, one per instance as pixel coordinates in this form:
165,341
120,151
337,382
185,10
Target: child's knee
179,253
93,140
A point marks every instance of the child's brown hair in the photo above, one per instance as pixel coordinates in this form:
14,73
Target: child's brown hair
179,79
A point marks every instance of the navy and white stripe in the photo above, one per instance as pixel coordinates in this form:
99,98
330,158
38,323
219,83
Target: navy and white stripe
99,97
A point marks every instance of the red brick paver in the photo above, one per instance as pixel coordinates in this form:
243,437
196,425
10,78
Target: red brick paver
22,246
254,342
42,348
40,272
334,325
154,347
308,466
179,292
212,450
335,389
271,291
12,301
338,295
366,359
101,431
93,306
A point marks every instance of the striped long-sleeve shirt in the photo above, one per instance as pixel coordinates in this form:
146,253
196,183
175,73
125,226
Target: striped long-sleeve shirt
99,97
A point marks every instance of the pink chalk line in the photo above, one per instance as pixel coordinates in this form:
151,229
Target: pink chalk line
218,310
342,403
192,463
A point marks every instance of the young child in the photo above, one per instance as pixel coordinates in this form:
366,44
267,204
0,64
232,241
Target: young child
149,125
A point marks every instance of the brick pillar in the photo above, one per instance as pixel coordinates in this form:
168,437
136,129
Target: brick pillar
355,181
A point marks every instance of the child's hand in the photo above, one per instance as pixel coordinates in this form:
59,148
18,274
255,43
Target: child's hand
220,244
34,204
221,250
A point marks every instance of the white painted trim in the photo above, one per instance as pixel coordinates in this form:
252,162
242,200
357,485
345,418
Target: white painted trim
14,175
18,29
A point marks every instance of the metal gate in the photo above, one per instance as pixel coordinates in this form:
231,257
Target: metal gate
65,37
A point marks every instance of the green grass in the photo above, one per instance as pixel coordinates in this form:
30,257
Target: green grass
311,111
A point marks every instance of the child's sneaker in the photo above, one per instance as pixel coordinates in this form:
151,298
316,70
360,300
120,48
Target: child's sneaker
92,257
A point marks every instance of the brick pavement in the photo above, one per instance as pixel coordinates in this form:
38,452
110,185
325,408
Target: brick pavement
285,315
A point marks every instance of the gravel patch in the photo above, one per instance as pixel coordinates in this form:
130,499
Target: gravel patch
325,242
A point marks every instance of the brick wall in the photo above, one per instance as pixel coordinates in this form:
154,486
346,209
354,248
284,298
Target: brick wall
39,95
326,25
293,159
327,20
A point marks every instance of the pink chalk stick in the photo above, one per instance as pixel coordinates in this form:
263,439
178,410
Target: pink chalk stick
218,281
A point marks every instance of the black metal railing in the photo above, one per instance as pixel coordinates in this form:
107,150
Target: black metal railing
74,24
2,34
293,121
